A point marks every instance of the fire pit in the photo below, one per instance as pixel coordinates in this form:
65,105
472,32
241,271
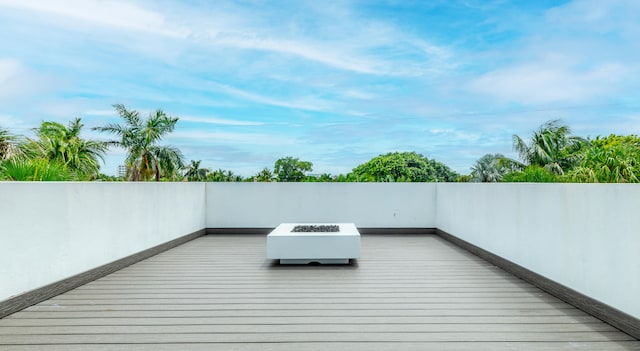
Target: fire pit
303,243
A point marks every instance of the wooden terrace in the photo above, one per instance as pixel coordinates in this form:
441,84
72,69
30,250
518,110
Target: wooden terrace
218,292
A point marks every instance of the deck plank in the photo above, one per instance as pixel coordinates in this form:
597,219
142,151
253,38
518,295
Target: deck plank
407,292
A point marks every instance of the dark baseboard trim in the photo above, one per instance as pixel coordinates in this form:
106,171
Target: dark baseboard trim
265,231
46,292
604,312
401,231
236,230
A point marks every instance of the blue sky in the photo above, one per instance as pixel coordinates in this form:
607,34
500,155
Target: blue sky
331,82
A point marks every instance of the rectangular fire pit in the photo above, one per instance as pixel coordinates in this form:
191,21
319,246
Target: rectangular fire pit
325,243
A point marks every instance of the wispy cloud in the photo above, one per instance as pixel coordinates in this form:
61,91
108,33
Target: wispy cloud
575,54
219,121
119,15
305,103
542,83
336,81
19,82
236,138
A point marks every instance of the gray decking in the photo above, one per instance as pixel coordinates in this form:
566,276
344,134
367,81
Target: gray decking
219,293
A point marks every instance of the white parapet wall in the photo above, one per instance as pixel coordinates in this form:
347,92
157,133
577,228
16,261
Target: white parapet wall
584,236
50,230
368,205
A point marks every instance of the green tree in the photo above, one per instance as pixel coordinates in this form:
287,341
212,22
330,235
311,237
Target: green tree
631,141
265,175
146,159
532,174
552,147
223,176
289,169
63,145
490,168
403,167
326,177
194,173
611,159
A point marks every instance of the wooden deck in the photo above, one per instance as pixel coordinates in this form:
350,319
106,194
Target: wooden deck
219,292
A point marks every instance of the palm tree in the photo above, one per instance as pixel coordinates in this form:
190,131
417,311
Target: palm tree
9,145
145,159
223,176
265,175
34,169
64,145
194,173
490,168
552,147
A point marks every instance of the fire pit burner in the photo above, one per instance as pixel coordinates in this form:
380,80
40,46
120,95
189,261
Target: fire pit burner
316,229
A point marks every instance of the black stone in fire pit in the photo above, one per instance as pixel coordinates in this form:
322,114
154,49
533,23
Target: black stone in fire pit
316,228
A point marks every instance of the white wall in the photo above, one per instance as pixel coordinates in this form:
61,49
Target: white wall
392,205
51,231
584,236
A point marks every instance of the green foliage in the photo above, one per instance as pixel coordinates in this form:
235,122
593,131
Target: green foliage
146,159
552,146
346,178
107,178
194,173
289,169
265,175
490,168
403,167
34,169
325,178
223,176
532,174
609,163
612,140
63,145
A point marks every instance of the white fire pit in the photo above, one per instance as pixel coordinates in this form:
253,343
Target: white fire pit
314,242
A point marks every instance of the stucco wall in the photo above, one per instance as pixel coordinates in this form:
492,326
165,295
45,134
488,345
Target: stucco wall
51,231
584,236
387,205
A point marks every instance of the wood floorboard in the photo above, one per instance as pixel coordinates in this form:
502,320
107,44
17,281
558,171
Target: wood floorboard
218,292
361,346
554,306
344,312
312,337
303,328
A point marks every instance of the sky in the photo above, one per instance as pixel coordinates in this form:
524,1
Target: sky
333,82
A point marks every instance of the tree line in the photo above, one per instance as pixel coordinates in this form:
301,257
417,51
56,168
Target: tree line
554,154
551,154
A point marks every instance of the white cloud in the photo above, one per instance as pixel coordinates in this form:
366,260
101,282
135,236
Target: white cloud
240,138
541,83
17,81
102,113
114,14
318,53
582,51
220,121
598,16
305,103
371,47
